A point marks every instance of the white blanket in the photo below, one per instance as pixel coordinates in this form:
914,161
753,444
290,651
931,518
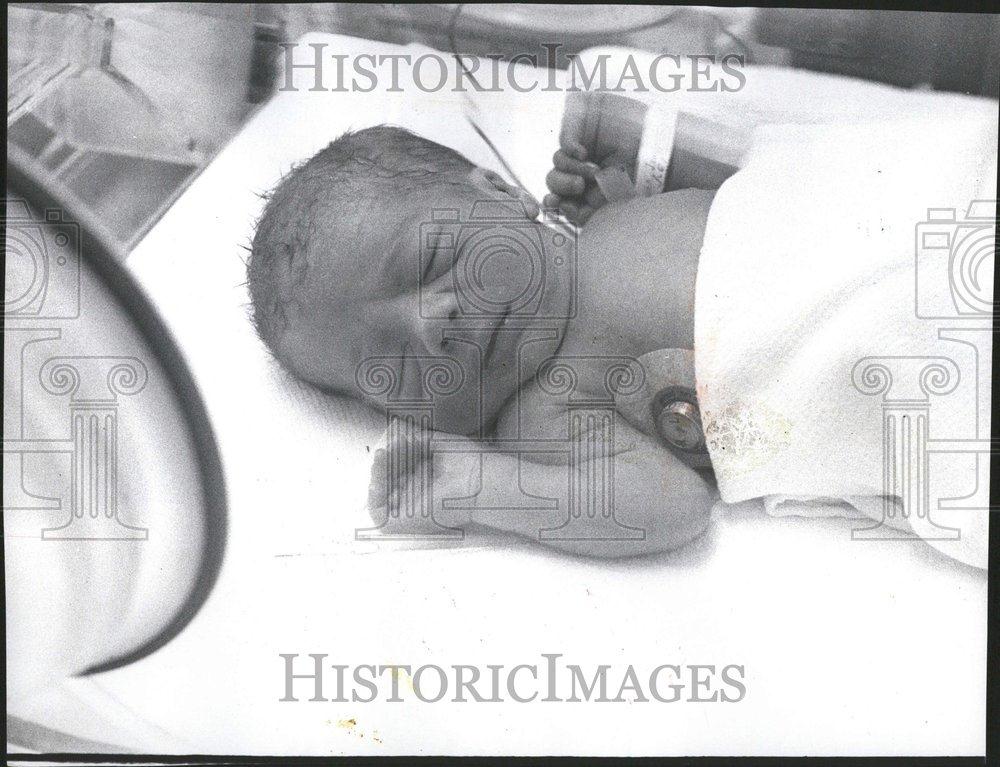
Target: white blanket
830,653
813,347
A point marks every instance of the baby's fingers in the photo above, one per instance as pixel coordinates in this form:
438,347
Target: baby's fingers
565,184
575,211
584,214
594,197
551,201
568,164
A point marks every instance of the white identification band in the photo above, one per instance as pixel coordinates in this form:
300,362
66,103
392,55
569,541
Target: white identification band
655,149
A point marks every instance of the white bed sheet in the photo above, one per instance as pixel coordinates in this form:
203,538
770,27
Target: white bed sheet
876,644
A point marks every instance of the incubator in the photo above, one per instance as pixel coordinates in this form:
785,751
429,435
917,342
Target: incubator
163,477
124,103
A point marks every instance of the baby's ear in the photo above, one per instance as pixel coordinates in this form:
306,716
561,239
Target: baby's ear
494,179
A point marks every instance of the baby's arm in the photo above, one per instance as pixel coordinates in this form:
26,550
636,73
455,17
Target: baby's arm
658,503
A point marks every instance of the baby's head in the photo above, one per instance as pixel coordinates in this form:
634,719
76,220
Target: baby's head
337,275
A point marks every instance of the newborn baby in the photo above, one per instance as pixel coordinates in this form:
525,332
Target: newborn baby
355,259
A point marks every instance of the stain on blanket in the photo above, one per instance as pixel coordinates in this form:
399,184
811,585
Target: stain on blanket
744,438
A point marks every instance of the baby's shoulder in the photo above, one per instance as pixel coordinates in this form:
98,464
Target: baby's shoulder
630,223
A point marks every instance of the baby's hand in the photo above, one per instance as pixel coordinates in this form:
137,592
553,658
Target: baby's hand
408,482
598,131
573,190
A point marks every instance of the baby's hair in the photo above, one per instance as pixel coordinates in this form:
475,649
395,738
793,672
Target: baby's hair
297,212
